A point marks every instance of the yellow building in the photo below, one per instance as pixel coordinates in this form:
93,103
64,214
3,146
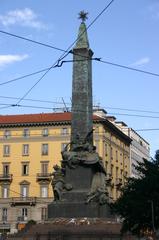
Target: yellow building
29,147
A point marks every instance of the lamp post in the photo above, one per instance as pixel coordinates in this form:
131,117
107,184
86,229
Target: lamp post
152,217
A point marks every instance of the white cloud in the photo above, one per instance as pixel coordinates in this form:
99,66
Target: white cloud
8,59
22,17
141,62
154,10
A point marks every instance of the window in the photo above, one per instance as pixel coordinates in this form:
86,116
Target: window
63,146
44,167
44,149
5,169
111,170
26,133
116,155
111,153
24,213
4,214
6,150
106,149
64,131
7,134
24,190
97,146
45,132
106,166
5,191
25,149
25,169
121,173
117,172
43,213
44,191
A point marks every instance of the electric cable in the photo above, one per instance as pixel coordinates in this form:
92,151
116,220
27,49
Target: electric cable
66,52
31,40
112,113
48,45
96,108
96,59
24,76
128,68
33,100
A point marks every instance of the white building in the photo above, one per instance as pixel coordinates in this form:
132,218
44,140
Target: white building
139,147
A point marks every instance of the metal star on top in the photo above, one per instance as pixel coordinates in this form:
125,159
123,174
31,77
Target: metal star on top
83,16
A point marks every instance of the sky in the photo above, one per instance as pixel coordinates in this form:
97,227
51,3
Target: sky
126,34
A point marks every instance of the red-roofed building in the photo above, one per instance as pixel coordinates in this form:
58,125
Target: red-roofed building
31,144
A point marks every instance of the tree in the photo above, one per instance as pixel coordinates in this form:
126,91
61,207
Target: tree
138,204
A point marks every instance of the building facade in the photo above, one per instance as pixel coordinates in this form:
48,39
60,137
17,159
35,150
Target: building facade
139,148
29,147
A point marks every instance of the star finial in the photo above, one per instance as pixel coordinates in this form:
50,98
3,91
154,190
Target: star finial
83,15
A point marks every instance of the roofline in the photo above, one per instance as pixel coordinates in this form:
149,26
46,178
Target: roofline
139,135
68,122
115,129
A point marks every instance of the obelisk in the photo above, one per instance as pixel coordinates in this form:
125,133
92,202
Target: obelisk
82,87
79,185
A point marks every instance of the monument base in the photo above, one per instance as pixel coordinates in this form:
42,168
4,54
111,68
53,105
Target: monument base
74,229
78,209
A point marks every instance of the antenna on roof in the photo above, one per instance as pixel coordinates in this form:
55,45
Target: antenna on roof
66,108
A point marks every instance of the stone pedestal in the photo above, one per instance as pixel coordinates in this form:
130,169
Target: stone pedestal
73,202
74,229
78,209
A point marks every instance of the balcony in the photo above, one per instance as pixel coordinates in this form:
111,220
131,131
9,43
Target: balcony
27,201
4,226
22,219
6,178
109,179
43,177
118,183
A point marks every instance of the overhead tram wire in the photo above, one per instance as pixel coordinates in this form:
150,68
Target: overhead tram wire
147,129
59,64
68,103
9,105
66,52
61,103
50,46
33,41
24,76
53,47
134,115
51,108
96,59
128,68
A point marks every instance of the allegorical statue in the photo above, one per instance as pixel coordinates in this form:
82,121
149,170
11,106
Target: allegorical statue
58,183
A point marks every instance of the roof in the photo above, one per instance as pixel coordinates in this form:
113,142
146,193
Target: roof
37,118
52,119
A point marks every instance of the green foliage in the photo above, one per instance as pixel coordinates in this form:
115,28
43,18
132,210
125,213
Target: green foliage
138,196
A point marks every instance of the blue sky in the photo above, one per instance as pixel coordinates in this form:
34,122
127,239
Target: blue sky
127,33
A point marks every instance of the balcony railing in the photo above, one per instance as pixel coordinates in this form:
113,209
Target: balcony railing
23,201
43,176
22,219
4,219
4,225
118,183
6,177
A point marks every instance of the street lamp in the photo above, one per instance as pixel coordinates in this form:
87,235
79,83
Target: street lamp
152,216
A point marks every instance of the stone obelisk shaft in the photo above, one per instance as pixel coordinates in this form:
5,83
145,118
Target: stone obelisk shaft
82,90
